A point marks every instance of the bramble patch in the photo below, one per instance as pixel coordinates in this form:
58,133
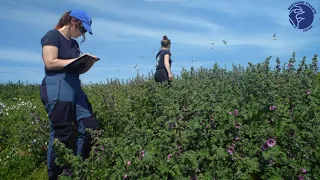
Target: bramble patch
246,123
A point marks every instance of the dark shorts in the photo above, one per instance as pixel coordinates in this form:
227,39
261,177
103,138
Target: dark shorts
162,75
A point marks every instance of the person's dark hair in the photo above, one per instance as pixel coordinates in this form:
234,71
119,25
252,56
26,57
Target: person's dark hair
66,19
165,42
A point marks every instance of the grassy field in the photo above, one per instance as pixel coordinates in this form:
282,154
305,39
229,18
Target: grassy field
256,122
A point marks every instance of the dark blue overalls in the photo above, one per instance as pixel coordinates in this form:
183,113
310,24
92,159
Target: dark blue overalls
65,102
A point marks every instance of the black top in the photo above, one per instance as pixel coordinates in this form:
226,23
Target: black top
67,49
160,58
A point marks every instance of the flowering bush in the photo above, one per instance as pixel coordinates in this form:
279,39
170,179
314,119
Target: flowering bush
246,123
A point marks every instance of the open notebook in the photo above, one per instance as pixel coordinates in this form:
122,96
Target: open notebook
77,64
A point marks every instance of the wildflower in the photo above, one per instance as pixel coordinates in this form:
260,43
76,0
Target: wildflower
141,154
264,146
125,176
271,142
272,108
237,126
271,162
169,156
102,148
236,112
301,177
237,138
128,162
308,92
304,171
230,112
230,150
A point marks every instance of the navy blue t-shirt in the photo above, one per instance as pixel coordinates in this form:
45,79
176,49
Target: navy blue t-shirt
160,58
67,49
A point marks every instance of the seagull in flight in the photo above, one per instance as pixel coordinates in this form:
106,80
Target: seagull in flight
118,69
136,66
274,36
212,45
225,42
141,57
193,60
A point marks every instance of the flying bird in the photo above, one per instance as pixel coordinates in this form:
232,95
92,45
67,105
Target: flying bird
274,36
225,42
193,60
118,69
136,66
212,45
141,57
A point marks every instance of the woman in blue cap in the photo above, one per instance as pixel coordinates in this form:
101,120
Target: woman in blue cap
60,91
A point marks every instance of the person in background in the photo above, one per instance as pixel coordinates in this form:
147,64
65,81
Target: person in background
61,94
163,68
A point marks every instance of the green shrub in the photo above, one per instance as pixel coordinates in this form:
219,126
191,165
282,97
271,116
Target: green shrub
246,123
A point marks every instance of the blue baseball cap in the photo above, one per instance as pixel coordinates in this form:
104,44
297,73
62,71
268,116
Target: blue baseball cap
84,18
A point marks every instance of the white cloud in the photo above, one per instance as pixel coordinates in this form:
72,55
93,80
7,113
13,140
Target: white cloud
19,55
214,32
147,14
274,10
107,30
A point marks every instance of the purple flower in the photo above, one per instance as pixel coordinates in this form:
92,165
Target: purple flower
272,108
141,154
304,171
271,142
169,156
271,162
237,126
301,177
230,112
237,138
230,150
264,146
308,92
236,112
125,176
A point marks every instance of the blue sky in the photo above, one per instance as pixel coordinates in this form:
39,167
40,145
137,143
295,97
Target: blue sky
125,30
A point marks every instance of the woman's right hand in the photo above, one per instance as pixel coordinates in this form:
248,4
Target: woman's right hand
170,76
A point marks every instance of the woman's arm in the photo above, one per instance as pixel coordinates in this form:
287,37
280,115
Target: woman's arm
166,63
49,56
